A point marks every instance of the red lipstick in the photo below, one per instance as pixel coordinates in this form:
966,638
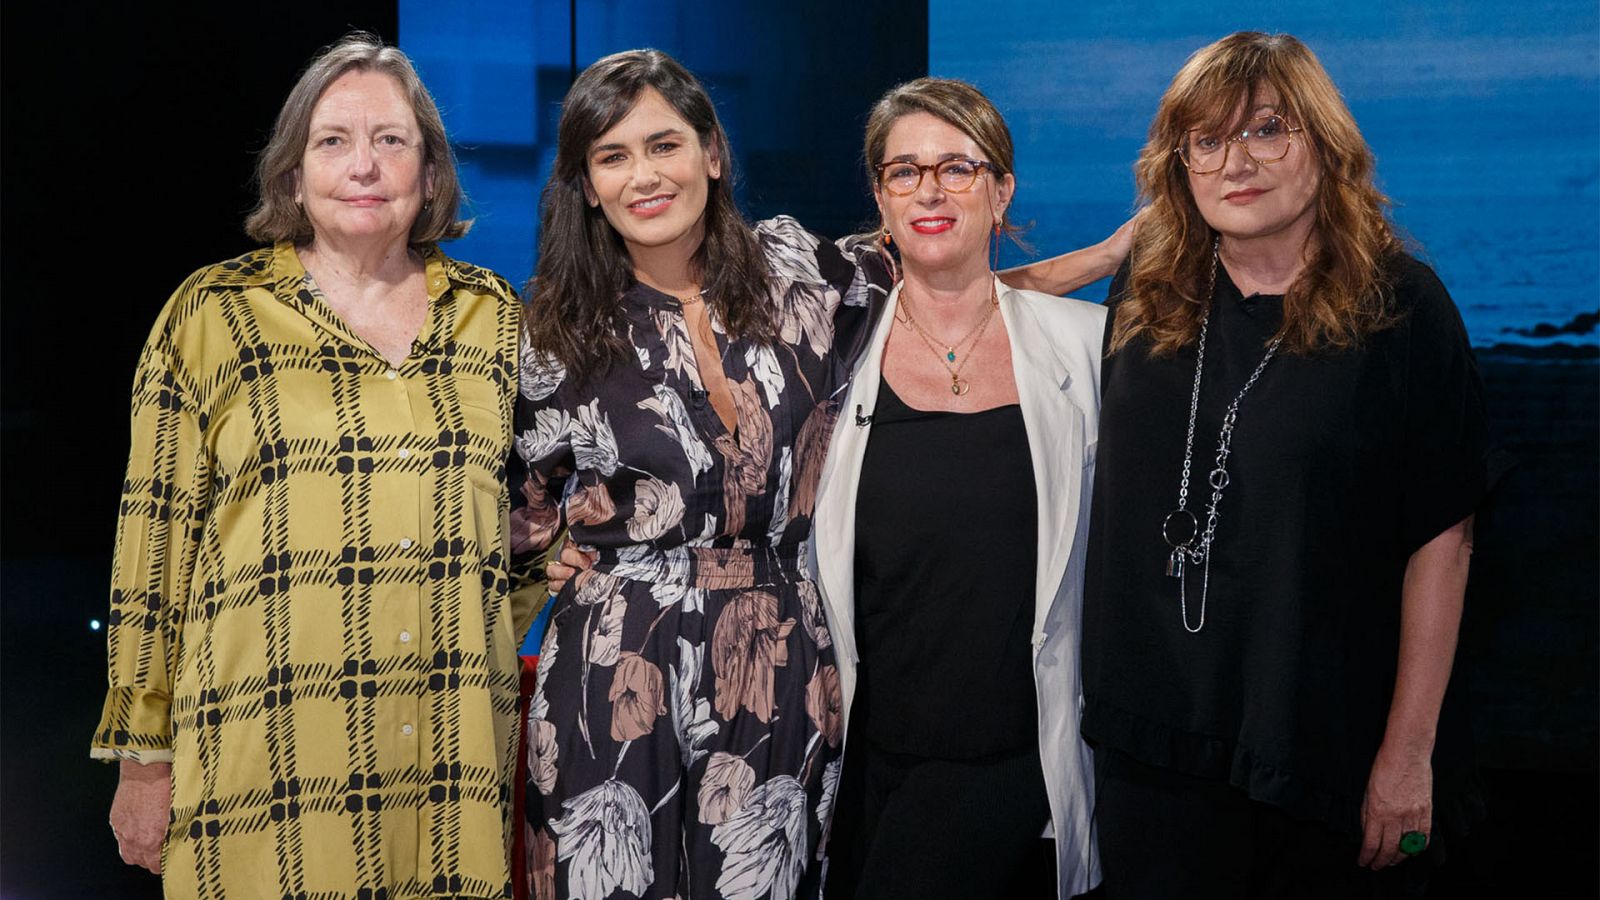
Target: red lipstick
932,224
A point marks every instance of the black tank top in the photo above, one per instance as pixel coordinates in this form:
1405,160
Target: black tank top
946,526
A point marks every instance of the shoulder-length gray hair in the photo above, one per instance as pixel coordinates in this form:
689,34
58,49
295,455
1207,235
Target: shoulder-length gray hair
277,217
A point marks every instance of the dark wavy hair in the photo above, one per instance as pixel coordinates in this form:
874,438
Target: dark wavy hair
573,314
1343,294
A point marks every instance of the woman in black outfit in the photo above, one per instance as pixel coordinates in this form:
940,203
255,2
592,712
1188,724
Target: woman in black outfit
1293,446
949,538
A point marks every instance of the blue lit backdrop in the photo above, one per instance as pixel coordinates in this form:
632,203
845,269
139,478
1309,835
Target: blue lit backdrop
792,84
1486,126
1485,120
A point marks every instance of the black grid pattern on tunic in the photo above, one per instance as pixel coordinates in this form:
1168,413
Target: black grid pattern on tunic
222,348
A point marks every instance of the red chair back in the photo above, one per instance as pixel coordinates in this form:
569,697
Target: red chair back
520,886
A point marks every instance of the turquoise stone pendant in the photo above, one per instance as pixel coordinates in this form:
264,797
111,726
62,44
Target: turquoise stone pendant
950,355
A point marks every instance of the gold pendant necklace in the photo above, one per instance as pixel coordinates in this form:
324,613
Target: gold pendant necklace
953,362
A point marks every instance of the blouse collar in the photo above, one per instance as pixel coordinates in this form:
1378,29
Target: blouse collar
279,267
643,295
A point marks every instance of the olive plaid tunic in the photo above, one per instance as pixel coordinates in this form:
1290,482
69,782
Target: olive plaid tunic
312,611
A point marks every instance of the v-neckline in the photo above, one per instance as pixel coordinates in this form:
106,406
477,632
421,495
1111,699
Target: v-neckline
712,424
315,303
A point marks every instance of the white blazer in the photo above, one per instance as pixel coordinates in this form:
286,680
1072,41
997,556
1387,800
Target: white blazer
1055,353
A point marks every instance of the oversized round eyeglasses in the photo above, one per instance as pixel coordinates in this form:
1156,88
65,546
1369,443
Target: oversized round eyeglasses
957,175
1265,139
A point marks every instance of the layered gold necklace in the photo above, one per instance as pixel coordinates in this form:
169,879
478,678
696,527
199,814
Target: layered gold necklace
952,360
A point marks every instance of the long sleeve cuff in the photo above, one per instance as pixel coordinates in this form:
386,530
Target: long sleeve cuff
136,724
142,757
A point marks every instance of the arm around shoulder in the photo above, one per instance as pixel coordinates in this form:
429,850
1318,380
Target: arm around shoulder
1069,272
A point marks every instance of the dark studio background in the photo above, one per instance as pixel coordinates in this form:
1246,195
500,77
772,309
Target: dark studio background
127,135
126,145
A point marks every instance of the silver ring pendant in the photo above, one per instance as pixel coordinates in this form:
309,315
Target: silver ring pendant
1194,528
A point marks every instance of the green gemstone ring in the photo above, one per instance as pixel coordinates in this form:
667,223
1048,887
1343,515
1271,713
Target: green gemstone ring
1413,842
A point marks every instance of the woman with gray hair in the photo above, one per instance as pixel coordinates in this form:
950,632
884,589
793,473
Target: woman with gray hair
314,622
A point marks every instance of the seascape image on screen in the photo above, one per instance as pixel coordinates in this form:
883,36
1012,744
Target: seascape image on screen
1485,127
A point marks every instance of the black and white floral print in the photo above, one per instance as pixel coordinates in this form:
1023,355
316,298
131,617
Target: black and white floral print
684,733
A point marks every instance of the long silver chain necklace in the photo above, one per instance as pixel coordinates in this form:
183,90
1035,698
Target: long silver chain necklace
1196,546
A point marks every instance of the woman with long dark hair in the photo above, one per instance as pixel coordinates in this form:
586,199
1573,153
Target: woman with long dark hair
678,393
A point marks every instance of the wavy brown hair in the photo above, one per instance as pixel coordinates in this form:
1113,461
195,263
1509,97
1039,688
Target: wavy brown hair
1343,293
277,217
573,313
